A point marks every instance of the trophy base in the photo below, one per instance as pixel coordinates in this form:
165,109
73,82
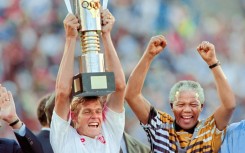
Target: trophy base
93,84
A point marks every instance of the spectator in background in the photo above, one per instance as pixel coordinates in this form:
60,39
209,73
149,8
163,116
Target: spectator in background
44,113
184,133
26,139
49,107
92,132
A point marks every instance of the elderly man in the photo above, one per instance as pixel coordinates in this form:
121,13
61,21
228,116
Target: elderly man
96,127
184,133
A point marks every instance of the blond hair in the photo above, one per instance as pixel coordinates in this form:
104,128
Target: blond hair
76,101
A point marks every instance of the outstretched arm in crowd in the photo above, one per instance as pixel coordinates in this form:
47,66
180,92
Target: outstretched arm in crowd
134,97
223,114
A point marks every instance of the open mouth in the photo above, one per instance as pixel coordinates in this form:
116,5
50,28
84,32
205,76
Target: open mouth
94,124
186,118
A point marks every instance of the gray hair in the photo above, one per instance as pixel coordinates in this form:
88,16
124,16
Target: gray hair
186,85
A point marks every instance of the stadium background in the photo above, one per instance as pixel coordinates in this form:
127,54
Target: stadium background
32,41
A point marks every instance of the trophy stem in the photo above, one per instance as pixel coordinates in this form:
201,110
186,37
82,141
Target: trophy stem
91,60
90,42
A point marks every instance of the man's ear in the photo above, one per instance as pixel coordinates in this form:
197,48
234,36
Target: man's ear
73,116
73,119
202,106
171,105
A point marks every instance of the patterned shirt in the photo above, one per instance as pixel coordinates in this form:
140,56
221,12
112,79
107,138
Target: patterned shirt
164,138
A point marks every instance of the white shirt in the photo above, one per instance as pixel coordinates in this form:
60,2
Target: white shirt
65,139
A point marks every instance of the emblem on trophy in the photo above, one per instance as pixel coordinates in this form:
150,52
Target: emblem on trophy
92,79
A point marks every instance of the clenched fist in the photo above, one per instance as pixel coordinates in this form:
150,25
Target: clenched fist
207,52
156,45
71,25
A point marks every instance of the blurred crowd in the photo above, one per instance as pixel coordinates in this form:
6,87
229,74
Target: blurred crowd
32,41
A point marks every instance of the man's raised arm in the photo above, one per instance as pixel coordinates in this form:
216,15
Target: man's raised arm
65,73
134,97
223,114
115,101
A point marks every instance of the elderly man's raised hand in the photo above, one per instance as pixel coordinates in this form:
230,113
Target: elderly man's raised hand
207,52
156,45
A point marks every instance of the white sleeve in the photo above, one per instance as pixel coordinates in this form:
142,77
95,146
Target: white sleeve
59,132
114,123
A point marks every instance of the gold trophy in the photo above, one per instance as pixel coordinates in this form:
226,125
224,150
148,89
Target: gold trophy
92,79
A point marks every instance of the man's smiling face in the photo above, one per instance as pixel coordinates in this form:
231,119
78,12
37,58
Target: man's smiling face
186,109
88,120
